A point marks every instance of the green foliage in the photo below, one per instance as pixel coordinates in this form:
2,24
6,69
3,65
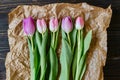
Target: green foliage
66,56
79,61
73,54
41,40
87,41
53,64
34,59
53,59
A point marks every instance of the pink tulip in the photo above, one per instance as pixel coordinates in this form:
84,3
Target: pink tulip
28,26
67,25
53,24
41,25
79,23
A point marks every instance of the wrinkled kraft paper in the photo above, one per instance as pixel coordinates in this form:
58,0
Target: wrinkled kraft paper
96,18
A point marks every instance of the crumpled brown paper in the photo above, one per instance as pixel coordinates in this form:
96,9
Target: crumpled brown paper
96,18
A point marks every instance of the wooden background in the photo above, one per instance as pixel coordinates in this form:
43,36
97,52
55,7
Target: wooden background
112,68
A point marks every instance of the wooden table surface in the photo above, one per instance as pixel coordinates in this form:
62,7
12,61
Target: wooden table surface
112,68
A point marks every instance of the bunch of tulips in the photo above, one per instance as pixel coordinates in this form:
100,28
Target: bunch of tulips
43,44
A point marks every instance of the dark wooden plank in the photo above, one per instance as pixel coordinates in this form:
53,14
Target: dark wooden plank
112,68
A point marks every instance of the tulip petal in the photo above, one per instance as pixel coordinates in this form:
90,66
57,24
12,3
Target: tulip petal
28,26
41,25
67,24
79,23
53,24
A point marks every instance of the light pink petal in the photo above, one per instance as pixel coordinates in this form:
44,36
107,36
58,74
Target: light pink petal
53,24
41,25
79,23
67,24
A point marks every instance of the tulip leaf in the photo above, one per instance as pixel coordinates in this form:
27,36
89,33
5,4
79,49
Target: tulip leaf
31,54
74,65
53,64
41,41
65,58
38,37
83,71
43,55
73,35
34,59
64,35
82,62
87,41
44,40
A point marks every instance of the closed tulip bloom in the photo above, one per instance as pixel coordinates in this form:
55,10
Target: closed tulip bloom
79,23
28,26
53,24
41,25
67,25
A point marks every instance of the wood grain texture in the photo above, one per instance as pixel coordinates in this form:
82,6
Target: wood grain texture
112,68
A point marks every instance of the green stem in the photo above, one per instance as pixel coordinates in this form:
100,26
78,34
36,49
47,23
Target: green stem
32,43
69,38
42,35
78,56
79,48
53,40
82,66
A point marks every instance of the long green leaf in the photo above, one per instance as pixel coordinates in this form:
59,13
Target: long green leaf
74,65
65,58
43,55
53,64
41,41
31,54
83,71
38,38
73,35
87,41
82,61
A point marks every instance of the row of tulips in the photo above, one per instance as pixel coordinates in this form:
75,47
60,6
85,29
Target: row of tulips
43,48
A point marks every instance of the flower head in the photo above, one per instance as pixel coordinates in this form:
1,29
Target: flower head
41,25
28,26
79,23
53,24
67,25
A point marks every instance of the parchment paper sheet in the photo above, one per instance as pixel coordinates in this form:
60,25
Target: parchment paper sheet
96,18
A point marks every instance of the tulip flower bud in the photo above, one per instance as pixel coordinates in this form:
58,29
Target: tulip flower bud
28,26
67,24
53,24
41,25
79,23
